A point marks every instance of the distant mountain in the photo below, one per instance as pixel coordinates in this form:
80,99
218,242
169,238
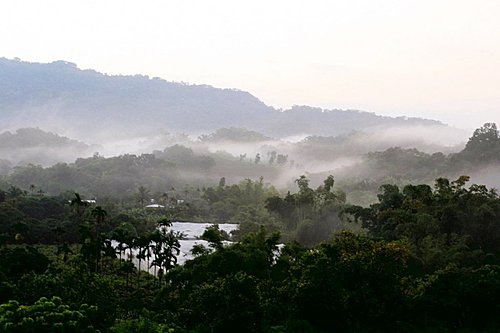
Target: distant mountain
92,106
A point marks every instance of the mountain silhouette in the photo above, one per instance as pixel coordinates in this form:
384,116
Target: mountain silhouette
86,104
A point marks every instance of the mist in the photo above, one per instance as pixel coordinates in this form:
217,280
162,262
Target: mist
199,134
360,161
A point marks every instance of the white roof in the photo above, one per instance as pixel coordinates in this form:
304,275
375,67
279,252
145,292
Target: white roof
155,206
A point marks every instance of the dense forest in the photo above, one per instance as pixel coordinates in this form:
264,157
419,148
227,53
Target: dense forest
81,252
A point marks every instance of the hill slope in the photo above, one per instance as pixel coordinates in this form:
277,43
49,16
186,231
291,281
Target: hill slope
89,105
32,145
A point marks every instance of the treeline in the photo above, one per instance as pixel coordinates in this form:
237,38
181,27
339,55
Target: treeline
181,166
482,150
308,216
425,259
480,159
176,166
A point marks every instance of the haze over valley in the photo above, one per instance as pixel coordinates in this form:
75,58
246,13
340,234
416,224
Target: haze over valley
116,115
56,113
249,166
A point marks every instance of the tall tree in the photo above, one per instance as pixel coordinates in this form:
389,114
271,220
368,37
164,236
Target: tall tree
78,204
142,194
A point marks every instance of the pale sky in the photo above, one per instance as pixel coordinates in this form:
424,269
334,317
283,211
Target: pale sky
438,59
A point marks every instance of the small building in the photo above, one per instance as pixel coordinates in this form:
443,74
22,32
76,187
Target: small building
155,206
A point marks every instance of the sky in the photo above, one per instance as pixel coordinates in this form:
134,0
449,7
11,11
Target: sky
437,59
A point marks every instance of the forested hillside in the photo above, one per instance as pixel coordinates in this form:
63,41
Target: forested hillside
195,164
32,145
65,99
389,267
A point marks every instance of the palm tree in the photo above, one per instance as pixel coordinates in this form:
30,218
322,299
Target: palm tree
107,250
124,235
120,236
171,250
164,223
167,248
148,250
141,242
99,214
130,246
78,204
155,246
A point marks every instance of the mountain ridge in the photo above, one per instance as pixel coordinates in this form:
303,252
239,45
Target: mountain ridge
60,97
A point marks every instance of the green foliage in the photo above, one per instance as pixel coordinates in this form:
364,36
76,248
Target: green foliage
17,261
398,162
442,225
219,291
76,283
228,202
309,215
226,304
142,325
428,263
98,176
460,299
351,284
46,315
37,219
166,247
214,236
184,157
484,145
